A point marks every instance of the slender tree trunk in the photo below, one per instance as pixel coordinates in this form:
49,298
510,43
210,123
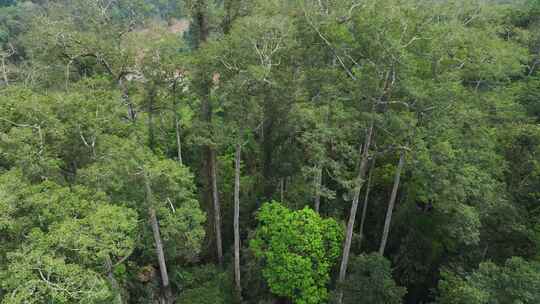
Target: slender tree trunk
282,189
217,207
132,114
167,294
68,67
352,216
178,139
318,186
366,200
4,71
392,203
177,125
238,155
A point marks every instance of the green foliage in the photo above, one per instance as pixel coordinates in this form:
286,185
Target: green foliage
204,284
37,277
518,281
97,97
121,172
370,281
57,241
298,249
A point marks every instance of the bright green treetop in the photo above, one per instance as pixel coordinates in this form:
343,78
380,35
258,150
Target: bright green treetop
298,250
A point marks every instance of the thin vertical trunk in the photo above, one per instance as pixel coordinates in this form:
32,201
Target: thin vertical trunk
132,114
366,200
68,67
392,203
177,125
352,216
4,71
237,220
178,139
217,206
318,186
281,189
167,294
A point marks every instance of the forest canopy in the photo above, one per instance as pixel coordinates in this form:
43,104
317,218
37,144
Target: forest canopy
269,151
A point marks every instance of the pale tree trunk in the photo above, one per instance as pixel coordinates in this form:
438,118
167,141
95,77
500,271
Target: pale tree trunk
217,206
392,203
132,114
177,125
237,220
318,186
4,70
68,67
167,294
352,216
366,201
4,56
281,189
178,139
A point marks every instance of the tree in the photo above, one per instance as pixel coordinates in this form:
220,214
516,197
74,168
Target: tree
391,203
61,241
298,250
117,119
163,189
517,281
370,281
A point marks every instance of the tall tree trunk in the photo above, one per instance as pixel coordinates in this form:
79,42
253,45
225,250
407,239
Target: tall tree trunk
177,125
282,189
238,155
201,18
217,207
392,203
4,70
178,139
318,186
132,114
352,216
166,288
366,200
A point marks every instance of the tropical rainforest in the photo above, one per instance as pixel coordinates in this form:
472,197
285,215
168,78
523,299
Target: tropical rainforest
269,151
